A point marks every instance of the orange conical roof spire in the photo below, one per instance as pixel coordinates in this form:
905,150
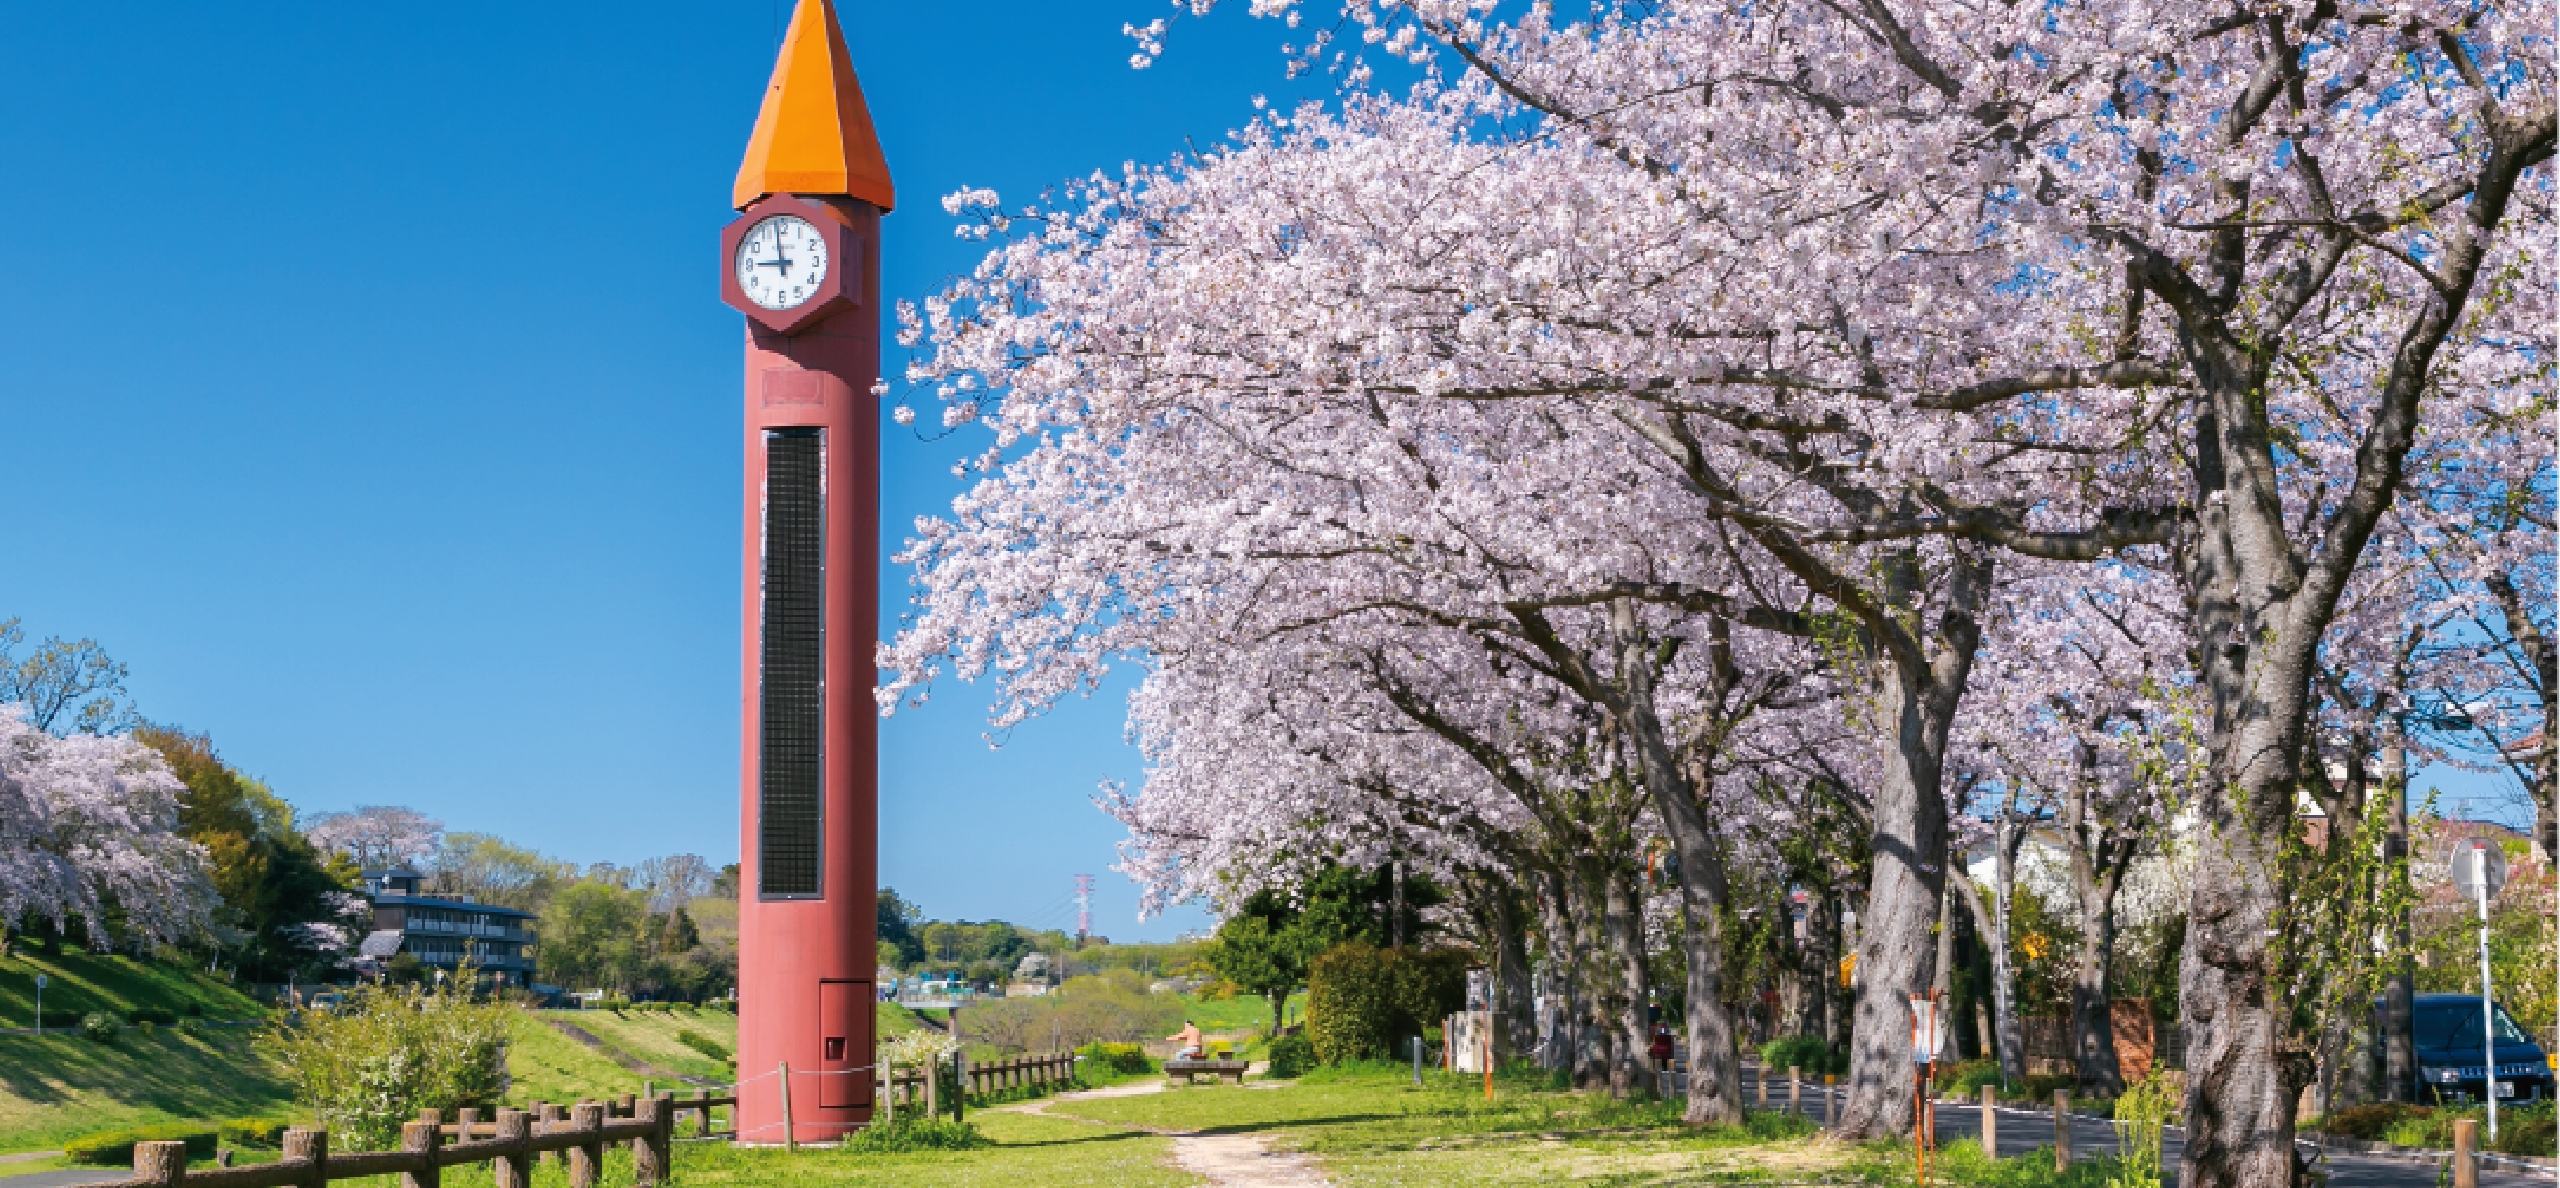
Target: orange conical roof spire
813,135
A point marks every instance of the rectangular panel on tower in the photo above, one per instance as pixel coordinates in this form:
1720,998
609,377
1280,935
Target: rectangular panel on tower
792,682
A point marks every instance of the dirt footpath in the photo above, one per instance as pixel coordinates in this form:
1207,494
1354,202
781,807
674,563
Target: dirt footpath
1224,1160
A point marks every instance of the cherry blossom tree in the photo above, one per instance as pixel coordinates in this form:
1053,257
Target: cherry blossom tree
1866,296
376,836
89,823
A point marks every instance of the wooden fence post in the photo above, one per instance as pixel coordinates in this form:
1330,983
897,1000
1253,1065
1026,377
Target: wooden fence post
630,1107
545,1117
309,1147
421,1138
1990,1123
464,1120
1826,1101
2466,1165
652,1153
1764,1086
2061,1131
514,1169
160,1163
933,1088
1795,1090
586,1160
888,1074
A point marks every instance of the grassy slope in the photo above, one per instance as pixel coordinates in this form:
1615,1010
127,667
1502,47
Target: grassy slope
85,982
651,1036
58,1087
549,1066
1237,1015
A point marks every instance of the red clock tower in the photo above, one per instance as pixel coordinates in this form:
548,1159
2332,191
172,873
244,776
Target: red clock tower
802,262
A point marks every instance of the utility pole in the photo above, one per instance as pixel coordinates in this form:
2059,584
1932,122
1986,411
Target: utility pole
1084,908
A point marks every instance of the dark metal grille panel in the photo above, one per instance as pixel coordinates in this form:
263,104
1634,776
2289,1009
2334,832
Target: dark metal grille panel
792,674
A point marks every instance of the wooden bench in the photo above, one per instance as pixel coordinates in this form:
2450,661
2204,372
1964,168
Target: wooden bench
1190,1071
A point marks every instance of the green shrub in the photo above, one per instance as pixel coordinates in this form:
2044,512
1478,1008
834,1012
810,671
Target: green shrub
916,1134
702,1043
60,1020
1362,1001
1967,1078
152,1016
2039,1087
386,1053
2371,1122
1124,1059
255,1132
101,1026
113,1147
1291,1055
1806,1052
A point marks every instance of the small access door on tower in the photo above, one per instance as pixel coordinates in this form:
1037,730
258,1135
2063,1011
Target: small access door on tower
844,1038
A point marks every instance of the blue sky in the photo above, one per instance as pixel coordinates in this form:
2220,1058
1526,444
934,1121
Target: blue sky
366,388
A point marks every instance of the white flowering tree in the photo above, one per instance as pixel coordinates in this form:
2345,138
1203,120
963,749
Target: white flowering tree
1805,316
88,823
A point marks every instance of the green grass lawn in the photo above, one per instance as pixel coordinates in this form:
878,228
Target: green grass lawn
1370,1126
58,1087
84,982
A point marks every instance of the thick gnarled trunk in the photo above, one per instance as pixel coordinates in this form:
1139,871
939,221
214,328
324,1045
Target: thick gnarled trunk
1896,951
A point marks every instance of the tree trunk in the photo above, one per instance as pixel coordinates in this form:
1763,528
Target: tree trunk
2244,1076
2399,1013
2100,1072
1909,844
1557,1022
1515,1032
1821,963
1992,921
1634,989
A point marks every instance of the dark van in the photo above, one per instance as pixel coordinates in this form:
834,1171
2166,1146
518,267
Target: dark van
2451,1068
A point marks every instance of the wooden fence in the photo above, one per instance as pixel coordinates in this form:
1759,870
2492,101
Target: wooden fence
510,1140
517,1137
1041,1070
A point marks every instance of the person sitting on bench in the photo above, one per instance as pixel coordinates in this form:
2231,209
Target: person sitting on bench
1187,1041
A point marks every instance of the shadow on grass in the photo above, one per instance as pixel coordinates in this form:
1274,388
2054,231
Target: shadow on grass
1118,1136
1292,1123
192,1076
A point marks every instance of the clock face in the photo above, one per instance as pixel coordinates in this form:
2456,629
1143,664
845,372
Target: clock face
781,262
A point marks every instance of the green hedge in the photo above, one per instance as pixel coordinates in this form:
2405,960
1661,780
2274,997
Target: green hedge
1291,1055
1124,1059
155,1016
1364,1001
702,1043
113,1147
255,1132
1806,1052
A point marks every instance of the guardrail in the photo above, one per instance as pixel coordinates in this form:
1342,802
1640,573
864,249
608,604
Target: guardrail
516,1138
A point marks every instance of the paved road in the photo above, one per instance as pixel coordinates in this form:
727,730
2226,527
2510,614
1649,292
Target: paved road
2023,1130
69,1177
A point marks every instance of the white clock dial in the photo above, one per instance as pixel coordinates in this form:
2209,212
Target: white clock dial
781,261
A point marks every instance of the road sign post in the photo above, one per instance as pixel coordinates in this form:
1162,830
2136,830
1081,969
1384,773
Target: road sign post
2479,870
1928,1037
